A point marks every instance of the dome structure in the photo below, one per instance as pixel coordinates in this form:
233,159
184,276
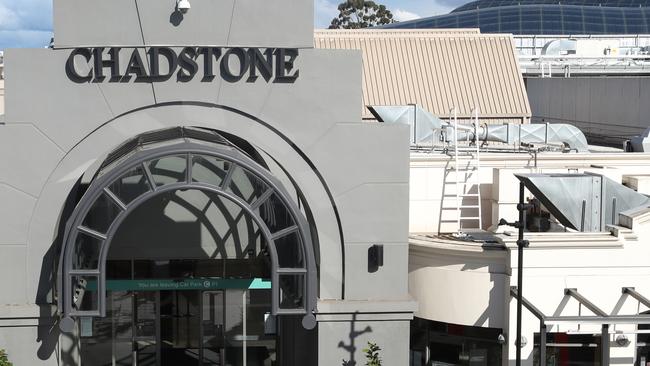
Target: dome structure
544,17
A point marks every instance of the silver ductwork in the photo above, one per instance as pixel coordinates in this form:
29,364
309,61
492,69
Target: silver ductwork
424,126
584,202
641,143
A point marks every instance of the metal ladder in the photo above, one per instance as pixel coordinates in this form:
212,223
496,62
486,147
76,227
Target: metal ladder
468,165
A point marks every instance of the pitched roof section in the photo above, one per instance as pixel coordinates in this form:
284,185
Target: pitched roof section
436,69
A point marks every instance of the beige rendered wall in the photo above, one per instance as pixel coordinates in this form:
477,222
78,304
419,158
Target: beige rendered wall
467,286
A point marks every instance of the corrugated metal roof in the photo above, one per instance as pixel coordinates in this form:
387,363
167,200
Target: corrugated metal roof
436,69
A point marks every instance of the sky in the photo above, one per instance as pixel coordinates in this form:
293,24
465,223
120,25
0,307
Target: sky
28,23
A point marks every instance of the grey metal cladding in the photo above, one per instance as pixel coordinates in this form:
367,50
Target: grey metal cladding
583,202
156,22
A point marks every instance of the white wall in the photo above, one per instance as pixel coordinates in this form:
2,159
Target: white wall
458,282
432,207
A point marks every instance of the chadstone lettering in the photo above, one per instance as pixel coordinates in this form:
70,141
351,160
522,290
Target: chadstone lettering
114,64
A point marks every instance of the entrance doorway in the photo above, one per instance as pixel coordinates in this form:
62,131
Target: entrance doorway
169,320
182,327
182,261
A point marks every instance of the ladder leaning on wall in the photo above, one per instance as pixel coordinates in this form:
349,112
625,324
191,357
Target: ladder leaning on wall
467,167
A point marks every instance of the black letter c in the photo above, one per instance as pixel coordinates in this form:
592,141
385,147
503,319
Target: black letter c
71,70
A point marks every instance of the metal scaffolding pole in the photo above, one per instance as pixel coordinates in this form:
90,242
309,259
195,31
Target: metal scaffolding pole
604,345
521,244
542,343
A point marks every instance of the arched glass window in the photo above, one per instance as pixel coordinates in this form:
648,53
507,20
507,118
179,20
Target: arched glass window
177,160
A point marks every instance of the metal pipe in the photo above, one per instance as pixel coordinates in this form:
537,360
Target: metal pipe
632,292
604,345
520,262
542,343
582,215
590,319
584,301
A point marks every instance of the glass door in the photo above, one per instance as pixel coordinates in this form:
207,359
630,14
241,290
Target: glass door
122,317
212,328
179,328
145,339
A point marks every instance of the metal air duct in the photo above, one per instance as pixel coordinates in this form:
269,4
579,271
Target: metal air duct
424,125
584,202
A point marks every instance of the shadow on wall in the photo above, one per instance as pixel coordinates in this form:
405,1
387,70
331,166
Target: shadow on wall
495,301
352,346
48,327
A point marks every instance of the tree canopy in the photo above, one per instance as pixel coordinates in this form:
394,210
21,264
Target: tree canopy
355,14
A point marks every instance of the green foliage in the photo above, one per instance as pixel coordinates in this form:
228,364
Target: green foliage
355,14
4,361
372,354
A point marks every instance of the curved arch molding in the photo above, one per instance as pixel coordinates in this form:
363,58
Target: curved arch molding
73,272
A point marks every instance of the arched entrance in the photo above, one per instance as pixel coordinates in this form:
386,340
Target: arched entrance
183,165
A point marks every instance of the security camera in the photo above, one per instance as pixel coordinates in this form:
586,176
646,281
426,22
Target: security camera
501,339
183,6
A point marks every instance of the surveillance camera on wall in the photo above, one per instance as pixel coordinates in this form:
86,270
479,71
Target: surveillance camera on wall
183,6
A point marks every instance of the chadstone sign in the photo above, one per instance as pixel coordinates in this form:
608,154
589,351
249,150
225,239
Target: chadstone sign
162,63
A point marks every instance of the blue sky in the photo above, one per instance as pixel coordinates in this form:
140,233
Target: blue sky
28,23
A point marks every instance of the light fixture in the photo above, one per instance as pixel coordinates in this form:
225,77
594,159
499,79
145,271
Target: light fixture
183,5
622,340
501,339
523,342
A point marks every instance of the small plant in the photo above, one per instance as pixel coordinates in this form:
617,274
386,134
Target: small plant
372,354
4,361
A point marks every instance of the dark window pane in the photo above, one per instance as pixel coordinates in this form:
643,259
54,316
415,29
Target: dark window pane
131,185
86,252
96,341
275,214
635,21
593,19
551,21
143,269
290,251
168,169
102,214
509,15
292,291
572,14
209,169
614,21
490,28
118,270
447,22
510,27
84,293
246,185
467,22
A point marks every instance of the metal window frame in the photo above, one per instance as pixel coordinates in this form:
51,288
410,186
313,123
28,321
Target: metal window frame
100,185
601,317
